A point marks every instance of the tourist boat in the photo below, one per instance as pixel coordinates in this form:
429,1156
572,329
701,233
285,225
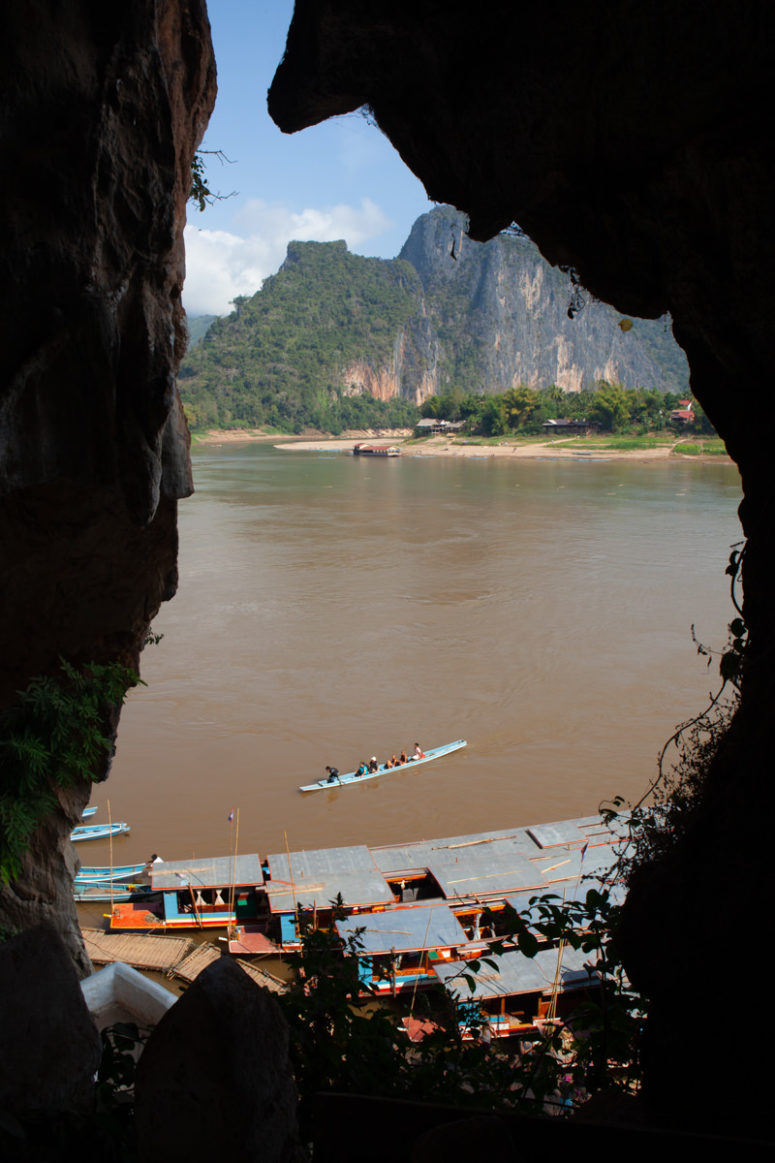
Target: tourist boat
117,873
98,831
209,893
376,450
446,884
353,777
398,949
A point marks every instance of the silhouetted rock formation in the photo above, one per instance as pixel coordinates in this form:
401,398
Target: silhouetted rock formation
631,142
103,106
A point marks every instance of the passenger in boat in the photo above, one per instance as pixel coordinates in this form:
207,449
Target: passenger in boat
333,774
404,758
388,763
373,765
418,752
394,762
363,768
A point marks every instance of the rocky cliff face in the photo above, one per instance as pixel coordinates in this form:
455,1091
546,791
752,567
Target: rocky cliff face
632,142
448,312
498,314
102,106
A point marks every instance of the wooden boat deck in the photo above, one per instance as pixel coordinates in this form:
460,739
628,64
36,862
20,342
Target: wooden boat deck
262,978
175,956
137,950
194,962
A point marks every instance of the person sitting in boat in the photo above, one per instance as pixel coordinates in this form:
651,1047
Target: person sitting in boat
418,752
333,774
403,758
364,767
394,762
388,764
373,765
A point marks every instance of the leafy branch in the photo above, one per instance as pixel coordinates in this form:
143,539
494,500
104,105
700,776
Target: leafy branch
200,193
56,735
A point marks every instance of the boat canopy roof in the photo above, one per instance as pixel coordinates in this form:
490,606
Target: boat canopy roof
317,877
208,872
517,860
405,930
516,974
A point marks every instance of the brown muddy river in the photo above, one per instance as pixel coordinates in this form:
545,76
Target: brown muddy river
332,608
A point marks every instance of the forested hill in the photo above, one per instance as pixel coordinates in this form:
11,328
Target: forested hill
335,339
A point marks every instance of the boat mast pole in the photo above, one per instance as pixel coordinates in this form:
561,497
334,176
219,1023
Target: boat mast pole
293,886
232,908
110,851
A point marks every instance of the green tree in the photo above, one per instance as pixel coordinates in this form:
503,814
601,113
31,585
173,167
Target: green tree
611,407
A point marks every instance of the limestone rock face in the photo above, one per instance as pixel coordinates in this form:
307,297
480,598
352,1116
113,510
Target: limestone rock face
498,315
631,142
102,107
447,313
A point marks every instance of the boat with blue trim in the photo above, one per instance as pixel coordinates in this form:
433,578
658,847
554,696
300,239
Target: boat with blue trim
382,768
98,831
119,872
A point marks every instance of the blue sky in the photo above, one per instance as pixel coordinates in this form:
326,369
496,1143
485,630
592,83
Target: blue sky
341,179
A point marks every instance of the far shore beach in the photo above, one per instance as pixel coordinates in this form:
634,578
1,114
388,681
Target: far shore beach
565,449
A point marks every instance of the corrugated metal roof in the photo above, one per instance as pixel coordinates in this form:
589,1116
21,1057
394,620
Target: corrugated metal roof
572,892
318,876
209,872
405,930
489,864
515,974
573,972
550,835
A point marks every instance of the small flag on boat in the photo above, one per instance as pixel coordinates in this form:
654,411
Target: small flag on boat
584,851
231,816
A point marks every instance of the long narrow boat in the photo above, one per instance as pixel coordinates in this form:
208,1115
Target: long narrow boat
87,813
196,894
353,777
109,890
119,872
98,831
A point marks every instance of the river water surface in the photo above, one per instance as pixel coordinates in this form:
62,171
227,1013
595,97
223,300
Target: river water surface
331,608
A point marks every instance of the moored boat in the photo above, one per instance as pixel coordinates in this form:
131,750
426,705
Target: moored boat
87,875
209,893
99,891
98,831
383,769
376,450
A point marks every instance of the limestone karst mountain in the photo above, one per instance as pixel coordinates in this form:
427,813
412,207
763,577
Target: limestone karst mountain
447,312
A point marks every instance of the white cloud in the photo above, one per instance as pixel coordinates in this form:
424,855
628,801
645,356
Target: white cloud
221,264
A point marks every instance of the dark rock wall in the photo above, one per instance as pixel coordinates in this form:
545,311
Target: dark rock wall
101,109
632,142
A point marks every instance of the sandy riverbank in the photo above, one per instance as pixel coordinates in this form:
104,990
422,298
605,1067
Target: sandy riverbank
550,449
443,446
